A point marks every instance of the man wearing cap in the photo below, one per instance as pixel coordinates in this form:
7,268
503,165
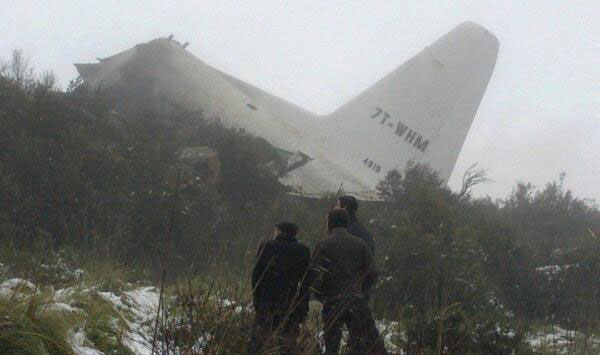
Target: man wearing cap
280,296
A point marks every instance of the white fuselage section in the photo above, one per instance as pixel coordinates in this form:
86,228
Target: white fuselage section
420,112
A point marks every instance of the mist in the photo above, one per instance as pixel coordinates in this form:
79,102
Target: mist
134,221
538,117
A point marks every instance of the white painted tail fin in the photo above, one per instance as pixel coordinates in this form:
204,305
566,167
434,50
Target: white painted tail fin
421,111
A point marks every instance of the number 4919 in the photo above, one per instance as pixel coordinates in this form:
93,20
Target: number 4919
372,165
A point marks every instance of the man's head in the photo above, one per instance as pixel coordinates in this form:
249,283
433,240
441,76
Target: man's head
337,218
286,228
348,203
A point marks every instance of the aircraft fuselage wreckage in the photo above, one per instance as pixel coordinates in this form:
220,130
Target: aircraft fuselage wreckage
421,111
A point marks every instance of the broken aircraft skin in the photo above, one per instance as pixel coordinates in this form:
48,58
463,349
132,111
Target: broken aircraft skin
421,111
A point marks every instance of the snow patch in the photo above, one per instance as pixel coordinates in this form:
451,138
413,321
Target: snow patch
15,286
391,332
555,269
60,307
138,309
561,341
78,340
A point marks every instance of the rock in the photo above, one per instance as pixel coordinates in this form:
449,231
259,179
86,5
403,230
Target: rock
200,165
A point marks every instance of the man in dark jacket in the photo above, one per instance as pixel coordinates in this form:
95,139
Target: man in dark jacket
280,296
342,271
356,228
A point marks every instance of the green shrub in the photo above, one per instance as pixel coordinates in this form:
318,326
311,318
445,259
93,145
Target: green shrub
27,327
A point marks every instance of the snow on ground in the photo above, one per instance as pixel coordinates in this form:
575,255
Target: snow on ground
555,339
78,342
391,332
60,307
63,295
558,340
15,286
227,303
550,270
138,308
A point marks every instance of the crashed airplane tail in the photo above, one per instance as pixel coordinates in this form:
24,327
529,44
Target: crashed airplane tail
421,111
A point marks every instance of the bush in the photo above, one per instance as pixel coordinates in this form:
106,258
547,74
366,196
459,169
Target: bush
26,327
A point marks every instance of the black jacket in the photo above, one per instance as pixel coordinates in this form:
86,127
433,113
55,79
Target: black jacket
277,278
342,266
358,230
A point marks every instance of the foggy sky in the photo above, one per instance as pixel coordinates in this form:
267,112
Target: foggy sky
539,117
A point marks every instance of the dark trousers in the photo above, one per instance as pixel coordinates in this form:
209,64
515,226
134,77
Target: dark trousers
355,314
274,331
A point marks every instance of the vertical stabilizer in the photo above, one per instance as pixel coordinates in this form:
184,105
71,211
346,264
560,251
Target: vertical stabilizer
421,111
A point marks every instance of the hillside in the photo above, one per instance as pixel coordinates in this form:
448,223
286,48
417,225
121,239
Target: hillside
100,204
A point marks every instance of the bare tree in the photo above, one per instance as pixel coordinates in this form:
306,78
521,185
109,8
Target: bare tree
3,69
20,70
471,178
48,79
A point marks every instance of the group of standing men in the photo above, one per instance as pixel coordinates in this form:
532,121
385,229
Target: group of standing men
339,274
